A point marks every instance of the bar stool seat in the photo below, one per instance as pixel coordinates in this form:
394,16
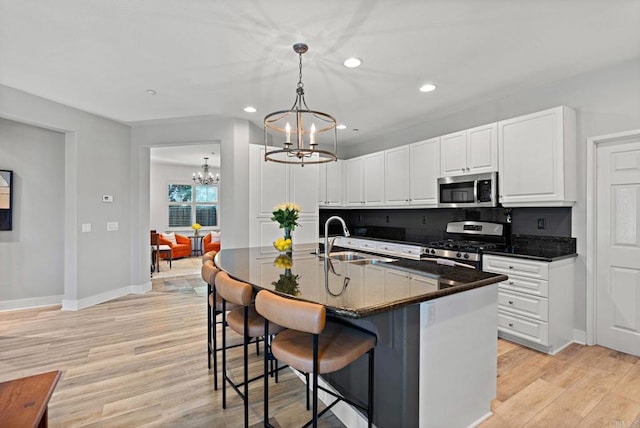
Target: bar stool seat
337,348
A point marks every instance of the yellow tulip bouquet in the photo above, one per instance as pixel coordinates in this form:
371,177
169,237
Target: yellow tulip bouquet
287,216
196,228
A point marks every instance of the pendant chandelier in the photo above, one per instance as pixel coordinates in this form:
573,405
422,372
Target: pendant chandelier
205,177
300,130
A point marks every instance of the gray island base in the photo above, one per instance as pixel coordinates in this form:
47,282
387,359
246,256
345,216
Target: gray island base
436,356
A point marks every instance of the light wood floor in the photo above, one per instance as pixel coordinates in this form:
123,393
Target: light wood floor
141,361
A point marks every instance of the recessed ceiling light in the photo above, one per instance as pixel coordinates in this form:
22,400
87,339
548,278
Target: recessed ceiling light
352,62
250,109
341,126
151,91
428,87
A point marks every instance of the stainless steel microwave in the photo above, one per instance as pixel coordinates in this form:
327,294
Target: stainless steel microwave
473,190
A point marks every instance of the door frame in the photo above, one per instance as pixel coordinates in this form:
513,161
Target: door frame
593,143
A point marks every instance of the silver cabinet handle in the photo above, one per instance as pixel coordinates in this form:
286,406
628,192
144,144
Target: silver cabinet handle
510,282
511,302
510,324
510,267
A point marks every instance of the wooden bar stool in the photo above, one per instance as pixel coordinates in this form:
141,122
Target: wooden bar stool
245,321
311,344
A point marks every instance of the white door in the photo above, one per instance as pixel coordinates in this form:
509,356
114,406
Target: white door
618,248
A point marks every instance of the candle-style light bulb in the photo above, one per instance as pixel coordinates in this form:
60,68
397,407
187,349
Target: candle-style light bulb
287,128
312,136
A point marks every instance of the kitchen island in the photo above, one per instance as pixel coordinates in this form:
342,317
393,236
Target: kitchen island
436,325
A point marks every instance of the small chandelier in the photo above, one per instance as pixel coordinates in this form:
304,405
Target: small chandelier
205,177
298,124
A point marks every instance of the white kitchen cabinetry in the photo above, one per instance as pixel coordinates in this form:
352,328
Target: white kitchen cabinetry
330,193
537,158
272,184
365,180
411,174
535,305
396,182
424,170
471,151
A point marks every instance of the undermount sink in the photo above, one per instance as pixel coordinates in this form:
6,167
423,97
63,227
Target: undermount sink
358,258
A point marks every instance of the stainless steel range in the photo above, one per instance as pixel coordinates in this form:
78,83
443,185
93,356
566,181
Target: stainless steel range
466,242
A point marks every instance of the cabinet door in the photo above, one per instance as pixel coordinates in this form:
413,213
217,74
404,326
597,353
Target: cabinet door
271,185
424,170
453,149
353,170
334,183
482,149
303,187
374,179
396,182
322,184
532,158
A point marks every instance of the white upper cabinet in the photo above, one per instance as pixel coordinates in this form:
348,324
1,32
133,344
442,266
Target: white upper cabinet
396,183
424,170
538,159
365,180
471,151
411,173
330,193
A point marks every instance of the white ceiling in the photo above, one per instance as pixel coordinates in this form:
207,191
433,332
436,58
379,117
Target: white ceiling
208,57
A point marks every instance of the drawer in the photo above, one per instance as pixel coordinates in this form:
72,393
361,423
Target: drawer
515,266
410,252
348,242
532,330
368,245
389,248
524,304
536,287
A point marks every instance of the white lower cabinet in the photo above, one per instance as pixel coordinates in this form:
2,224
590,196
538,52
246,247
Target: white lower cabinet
536,303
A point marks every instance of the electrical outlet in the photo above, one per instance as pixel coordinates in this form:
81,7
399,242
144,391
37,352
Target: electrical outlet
542,224
107,198
387,219
112,225
86,227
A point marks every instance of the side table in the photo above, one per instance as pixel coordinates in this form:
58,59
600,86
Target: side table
24,402
196,245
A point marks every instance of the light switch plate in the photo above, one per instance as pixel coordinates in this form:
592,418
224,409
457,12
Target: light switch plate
112,225
86,227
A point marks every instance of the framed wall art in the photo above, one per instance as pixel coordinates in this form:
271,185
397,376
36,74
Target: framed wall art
6,199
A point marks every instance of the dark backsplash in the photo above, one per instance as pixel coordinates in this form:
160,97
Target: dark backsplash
427,225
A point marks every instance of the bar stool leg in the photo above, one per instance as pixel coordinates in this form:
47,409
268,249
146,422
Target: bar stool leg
266,378
209,324
224,355
246,366
370,398
215,338
315,381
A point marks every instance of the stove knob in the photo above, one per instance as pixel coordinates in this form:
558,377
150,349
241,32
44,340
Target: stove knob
433,251
466,256
458,255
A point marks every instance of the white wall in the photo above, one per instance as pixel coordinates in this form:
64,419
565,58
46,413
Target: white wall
161,176
234,136
606,101
97,265
31,255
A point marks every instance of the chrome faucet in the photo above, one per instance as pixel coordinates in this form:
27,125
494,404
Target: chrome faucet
327,242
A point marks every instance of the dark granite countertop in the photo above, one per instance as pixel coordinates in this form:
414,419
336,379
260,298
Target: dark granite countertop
542,248
348,289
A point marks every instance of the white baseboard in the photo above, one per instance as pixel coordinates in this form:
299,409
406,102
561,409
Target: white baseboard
75,305
481,420
33,302
580,336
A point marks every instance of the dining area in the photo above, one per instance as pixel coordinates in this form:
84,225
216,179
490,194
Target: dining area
366,340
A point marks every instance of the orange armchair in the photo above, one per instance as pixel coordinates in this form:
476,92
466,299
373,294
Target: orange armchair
207,245
182,248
